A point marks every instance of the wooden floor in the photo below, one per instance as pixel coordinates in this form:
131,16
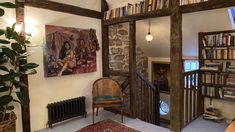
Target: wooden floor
76,124
199,125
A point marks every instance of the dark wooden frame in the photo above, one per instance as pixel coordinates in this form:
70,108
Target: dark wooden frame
65,8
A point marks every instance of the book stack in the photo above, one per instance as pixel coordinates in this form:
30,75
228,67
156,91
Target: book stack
229,93
159,4
231,69
210,91
230,80
186,2
222,39
212,66
212,114
127,10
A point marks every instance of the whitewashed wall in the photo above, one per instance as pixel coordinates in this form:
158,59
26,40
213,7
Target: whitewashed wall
47,90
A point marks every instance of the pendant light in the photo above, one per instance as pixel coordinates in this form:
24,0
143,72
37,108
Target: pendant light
149,36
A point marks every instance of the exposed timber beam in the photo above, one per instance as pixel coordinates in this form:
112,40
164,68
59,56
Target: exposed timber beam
65,8
177,105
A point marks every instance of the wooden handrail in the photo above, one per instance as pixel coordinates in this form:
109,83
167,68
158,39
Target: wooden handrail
125,84
192,96
146,80
147,99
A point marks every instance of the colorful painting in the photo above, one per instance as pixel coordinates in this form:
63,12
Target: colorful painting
69,51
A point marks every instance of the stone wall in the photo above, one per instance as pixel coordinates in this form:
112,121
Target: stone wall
119,50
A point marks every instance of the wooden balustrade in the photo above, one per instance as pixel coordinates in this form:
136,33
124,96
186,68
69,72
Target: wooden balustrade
191,96
147,100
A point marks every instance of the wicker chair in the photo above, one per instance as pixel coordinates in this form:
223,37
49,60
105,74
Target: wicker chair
106,93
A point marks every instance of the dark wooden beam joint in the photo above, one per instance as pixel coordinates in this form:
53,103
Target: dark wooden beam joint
55,6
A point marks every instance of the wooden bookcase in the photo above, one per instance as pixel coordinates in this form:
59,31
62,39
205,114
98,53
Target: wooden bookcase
187,8
216,57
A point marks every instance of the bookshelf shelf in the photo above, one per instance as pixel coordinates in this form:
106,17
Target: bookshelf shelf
228,99
220,59
139,16
224,98
190,8
219,46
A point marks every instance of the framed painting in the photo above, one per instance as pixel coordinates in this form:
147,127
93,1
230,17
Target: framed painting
69,51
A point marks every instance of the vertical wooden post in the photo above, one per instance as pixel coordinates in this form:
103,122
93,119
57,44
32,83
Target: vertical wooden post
132,66
25,111
177,105
105,41
201,63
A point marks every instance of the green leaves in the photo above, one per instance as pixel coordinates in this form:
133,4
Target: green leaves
24,99
8,5
1,32
2,12
30,65
19,84
17,47
8,32
3,68
6,99
8,77
30,72
9,53
3,41
16,55
4,89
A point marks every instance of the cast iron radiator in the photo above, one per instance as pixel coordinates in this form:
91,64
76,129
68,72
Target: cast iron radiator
67,109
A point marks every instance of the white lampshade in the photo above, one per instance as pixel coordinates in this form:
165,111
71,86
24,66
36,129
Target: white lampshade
149,37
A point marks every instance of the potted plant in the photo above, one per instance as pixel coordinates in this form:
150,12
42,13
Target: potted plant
13,47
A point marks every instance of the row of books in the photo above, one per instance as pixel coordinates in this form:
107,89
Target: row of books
208,78
212,66
231,68
229,93
186,2
210,91
127,10
230,80
218,53
159,4
222,39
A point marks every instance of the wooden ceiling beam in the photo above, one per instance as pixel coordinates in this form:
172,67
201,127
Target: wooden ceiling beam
204,6
65,8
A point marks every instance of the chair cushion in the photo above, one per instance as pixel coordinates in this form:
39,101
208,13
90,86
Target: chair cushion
107,100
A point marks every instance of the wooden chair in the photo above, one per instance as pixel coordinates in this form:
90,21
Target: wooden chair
106,92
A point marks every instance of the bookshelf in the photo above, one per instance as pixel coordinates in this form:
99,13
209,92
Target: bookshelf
217,64
184,8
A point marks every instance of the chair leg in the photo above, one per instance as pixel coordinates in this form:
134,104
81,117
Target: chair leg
97,111
93,114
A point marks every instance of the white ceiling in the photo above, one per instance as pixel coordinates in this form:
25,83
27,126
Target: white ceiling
213,20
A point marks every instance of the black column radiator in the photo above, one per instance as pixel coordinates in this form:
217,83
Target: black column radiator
67,109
